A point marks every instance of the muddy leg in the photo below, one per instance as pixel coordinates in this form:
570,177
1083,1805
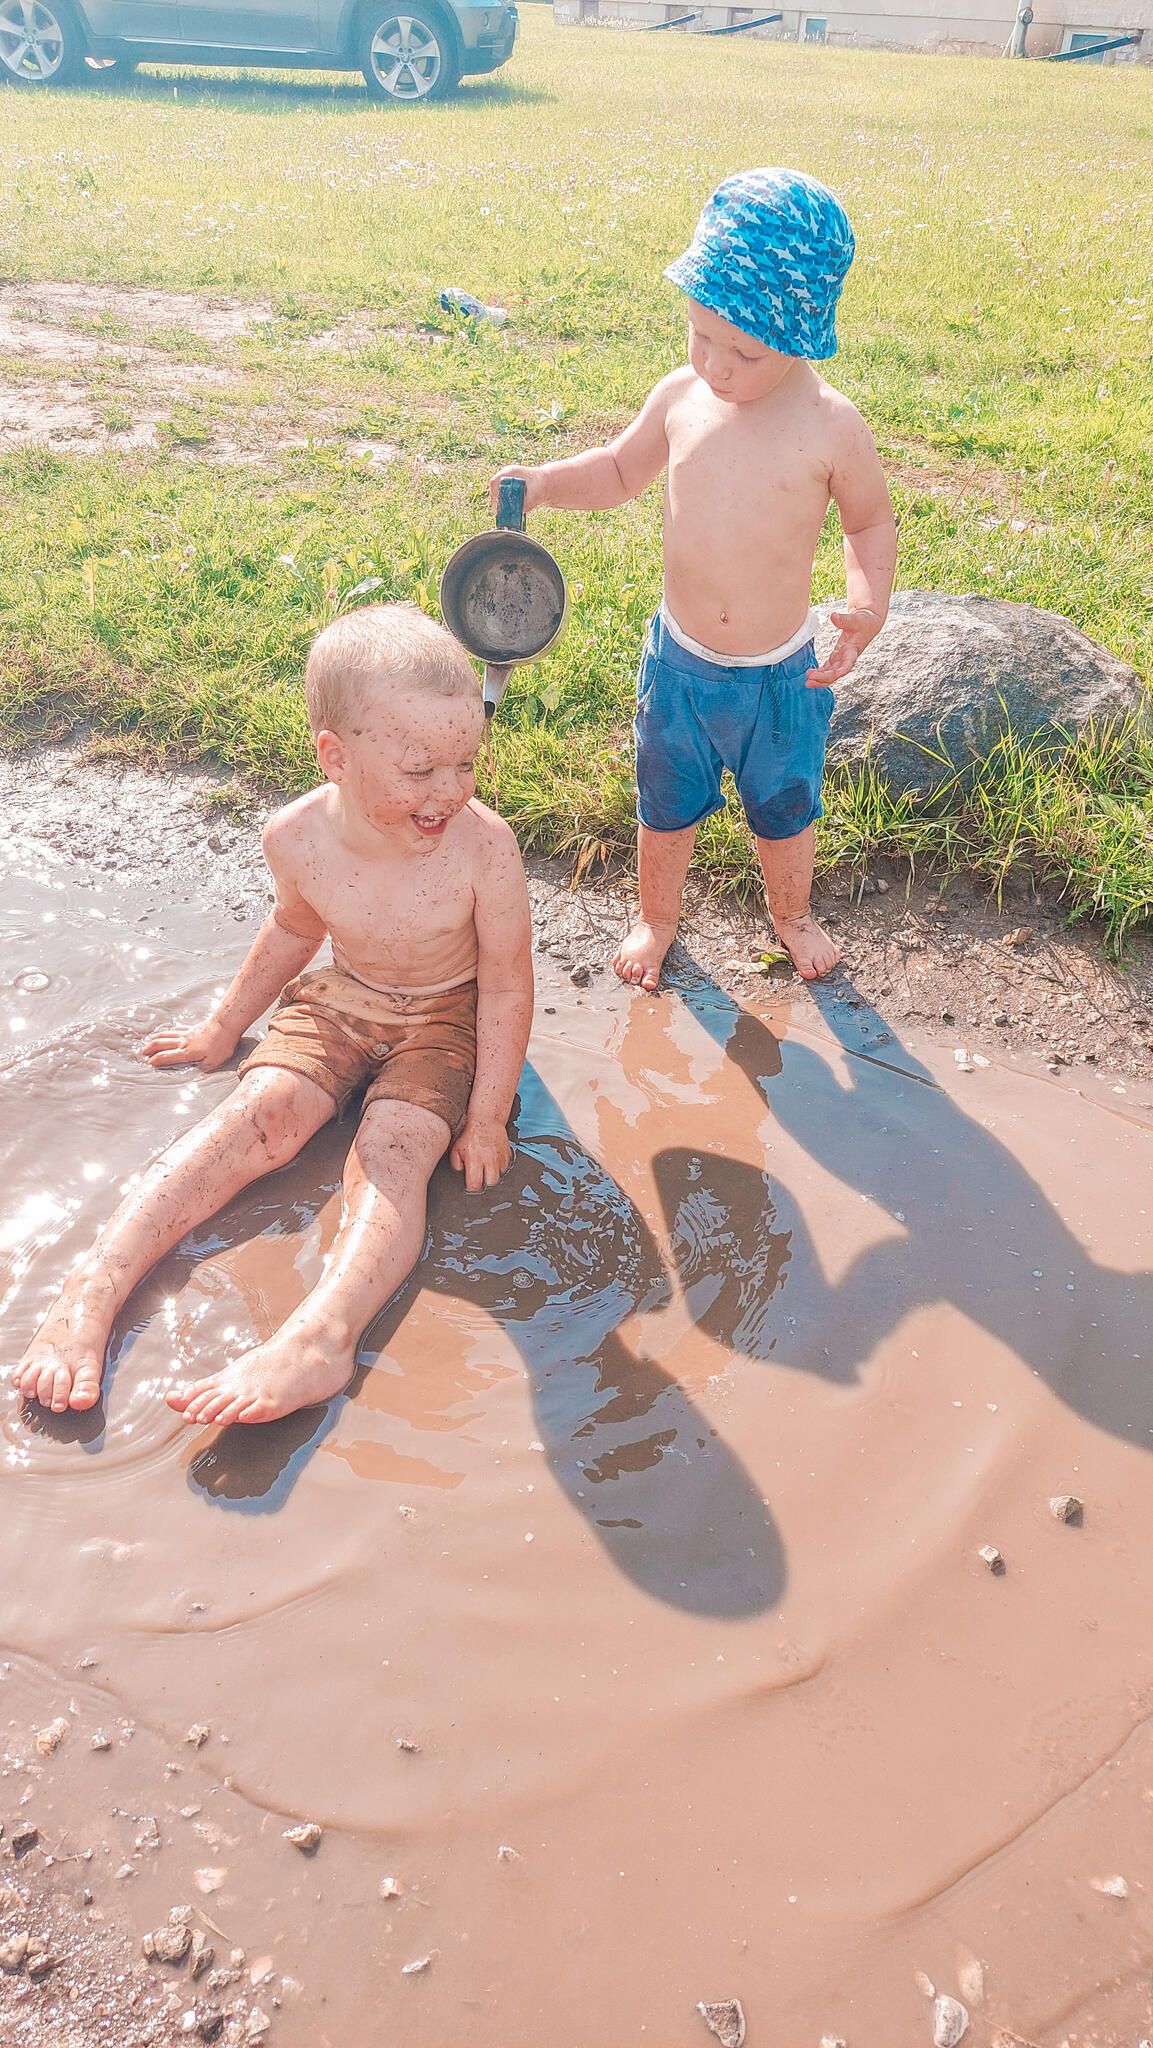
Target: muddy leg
313,1355
662,864
787,866
261,1126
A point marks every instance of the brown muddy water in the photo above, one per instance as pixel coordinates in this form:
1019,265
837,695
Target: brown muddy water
627,1624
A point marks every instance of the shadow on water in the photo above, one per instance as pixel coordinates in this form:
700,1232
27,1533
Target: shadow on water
978,1232
560,1258
272,92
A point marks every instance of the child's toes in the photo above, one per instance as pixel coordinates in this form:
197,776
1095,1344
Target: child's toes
194,1400
212,1407
44,1382
85,1387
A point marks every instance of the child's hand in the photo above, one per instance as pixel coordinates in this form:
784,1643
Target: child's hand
481,1153
533,480
855,630
199,1045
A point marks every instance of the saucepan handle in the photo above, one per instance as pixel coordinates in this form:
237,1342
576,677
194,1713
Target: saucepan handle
510,504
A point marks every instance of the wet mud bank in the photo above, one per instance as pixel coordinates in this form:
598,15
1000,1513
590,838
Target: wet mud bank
627,1639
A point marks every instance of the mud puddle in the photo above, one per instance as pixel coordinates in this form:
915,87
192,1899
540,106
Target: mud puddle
626,1633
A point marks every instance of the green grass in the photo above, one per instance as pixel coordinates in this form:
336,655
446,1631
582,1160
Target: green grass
995,330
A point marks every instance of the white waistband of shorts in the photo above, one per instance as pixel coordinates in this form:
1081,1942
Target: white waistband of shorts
793,645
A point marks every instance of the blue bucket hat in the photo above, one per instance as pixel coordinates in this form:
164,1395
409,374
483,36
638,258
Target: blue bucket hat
770,254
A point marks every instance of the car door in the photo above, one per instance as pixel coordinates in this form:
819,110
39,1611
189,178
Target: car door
134,21
250,24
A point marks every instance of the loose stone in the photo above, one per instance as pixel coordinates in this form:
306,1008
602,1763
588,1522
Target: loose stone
201,1954
726,2019
307,1837
1065,1507
950,2021
168,1944
205,2021
990,1555
50,1738
24,1837
13,1952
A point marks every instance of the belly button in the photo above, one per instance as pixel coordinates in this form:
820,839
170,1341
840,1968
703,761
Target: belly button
724,618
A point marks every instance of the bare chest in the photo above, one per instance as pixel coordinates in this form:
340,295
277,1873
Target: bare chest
728,469
412,911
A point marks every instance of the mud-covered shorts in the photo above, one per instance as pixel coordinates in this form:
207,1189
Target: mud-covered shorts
340,1033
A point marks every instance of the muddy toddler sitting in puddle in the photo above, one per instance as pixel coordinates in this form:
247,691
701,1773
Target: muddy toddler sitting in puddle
429,1002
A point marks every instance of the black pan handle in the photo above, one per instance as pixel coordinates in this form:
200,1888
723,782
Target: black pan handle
510,504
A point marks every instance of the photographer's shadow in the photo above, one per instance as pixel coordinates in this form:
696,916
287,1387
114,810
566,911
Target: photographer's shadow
562,1260
976,1230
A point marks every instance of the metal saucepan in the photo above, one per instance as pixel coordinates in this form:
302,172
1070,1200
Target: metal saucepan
503,595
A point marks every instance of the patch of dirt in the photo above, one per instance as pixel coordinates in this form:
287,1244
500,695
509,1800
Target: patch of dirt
63,417
940,957
117,335
54,308
96,1991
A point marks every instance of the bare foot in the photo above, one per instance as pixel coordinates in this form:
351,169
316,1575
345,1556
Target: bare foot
62,1366
639,958
295,1369
811,950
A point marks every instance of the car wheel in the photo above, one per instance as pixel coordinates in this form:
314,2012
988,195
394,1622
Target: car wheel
40,43
407,53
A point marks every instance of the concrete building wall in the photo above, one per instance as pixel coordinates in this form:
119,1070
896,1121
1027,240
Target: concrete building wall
974,27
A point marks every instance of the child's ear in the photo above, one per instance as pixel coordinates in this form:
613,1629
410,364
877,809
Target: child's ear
330,754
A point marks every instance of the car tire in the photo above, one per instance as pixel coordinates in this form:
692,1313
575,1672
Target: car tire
407,52
41,44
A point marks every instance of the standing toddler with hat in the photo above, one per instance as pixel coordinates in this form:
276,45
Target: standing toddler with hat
755,445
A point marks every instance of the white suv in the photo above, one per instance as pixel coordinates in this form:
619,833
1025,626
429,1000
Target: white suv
407,49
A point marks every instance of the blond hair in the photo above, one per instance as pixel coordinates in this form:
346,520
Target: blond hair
381,646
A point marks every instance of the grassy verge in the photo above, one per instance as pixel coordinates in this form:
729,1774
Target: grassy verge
995,330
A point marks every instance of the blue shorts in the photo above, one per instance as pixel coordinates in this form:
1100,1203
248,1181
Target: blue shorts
695,718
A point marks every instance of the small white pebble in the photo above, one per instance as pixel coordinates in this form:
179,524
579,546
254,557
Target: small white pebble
414,1968
950,2022
507,1855
1113,1887
389,1888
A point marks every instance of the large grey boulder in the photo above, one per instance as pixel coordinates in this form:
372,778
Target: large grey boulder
949,673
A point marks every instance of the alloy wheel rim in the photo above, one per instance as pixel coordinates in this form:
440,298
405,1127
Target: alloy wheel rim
31,40
405,57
